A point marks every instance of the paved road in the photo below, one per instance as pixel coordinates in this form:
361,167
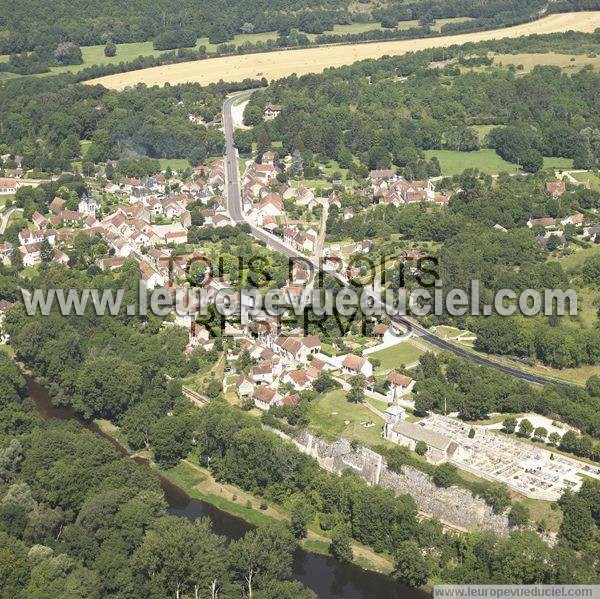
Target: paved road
234,205
5,218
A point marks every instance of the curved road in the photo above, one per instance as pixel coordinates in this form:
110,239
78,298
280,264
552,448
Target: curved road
234,205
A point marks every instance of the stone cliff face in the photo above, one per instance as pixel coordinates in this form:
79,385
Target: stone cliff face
453,506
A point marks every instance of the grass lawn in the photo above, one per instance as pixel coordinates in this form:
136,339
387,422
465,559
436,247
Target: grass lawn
571,63
328,412
487,161
309,183
482,130
393,357
578,257
593,178
94,55
85,144
174,163
541,510
587,307
559,164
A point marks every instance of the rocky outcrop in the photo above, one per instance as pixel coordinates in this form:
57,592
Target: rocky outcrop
454,506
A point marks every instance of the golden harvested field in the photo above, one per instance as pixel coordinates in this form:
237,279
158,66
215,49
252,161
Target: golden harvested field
274,65
567,62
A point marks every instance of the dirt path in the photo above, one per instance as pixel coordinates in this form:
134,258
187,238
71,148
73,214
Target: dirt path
209,486
274,65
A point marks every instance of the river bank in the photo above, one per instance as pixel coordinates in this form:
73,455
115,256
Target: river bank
326,576
199,483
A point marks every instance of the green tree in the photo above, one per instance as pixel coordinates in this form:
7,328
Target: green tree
591,270
263,553
592,386
341,543
167,558
106,386
445,475
554,438
410,566
110,49
522,558
171,439
356,394
525,428
421,447
253,115
518,514
16,259
497,496
577,526
46,251
301,513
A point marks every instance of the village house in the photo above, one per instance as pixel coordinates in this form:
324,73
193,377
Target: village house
291,400
271,111
150,275
379,175
297,379
88,205
296,348
379,330
575,219
547,222
271,205
592,233
265,397
555,188
71,217
176,236
268,157
263,373
334,200
39,221
353,364
56,205
305,198
140,194
6,249
172,208
415,191
199,336
244,387
398,385
27,237
30,253
8,186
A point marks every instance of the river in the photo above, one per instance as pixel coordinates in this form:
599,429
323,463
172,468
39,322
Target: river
326,576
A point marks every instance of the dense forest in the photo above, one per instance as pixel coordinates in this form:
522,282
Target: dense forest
43,120
32,24
79,520
387,112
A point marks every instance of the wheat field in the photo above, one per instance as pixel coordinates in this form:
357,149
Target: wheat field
274,65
